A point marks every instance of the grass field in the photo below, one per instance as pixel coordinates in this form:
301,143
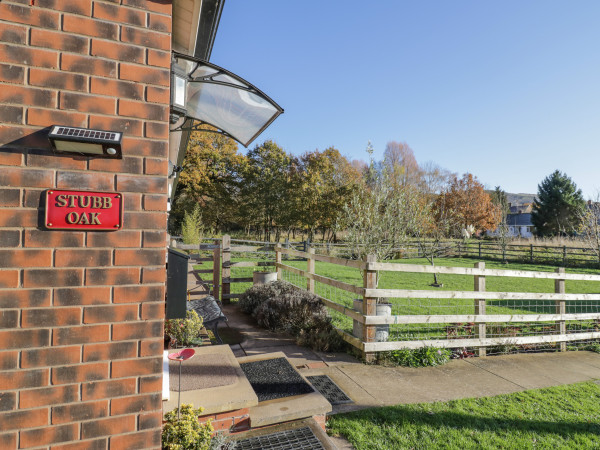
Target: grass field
564,417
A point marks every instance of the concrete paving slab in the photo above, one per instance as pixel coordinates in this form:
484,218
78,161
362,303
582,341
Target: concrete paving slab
298,356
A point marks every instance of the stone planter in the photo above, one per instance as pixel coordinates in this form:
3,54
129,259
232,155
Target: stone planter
263,277
382,332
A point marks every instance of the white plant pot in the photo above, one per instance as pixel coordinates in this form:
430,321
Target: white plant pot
382,332
263,277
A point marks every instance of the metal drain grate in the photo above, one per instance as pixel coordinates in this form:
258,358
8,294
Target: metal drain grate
299,439
329,389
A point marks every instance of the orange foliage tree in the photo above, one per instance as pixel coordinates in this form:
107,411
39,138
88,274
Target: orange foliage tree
466,202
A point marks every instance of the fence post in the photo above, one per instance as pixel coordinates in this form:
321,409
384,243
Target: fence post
310,263
561,307
369,305
479,286
480,249
278,261
564,255
226,269
216,269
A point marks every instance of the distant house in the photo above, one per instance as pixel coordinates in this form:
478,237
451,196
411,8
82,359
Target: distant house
518,221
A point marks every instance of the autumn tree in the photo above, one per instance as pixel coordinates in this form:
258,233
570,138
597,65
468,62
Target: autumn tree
401,164
558,207
468,204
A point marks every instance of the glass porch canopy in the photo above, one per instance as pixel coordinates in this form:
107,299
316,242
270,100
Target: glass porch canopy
211,95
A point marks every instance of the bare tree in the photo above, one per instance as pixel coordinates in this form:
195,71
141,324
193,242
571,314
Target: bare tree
399,160
434,179
590,226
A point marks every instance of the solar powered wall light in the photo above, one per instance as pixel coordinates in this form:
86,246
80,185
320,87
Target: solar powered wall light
86,142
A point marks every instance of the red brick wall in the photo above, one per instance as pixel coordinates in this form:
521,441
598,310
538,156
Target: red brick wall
81,313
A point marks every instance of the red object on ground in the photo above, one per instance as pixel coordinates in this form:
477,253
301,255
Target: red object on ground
182,355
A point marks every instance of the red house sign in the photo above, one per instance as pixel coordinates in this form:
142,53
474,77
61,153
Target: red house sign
82,210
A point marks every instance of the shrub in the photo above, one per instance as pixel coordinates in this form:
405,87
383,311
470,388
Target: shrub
280,306
186,433
420,357
185,331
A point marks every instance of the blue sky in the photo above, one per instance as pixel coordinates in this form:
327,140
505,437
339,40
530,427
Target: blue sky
507,90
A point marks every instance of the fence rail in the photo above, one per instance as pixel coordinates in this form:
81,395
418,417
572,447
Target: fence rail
462,330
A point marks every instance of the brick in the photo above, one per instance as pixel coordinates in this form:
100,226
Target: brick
48,435
138,294
153,347
153,275
18,54
154,238
59,41
87,103
144,74
55,161
32,198
133,201
82,258
152,311
10,238
222,425
85,181
11,157
81,7
111,240
24,298
156,203
144,147
117,88
29,16
22,379
88,65
136,367
145,220
112,277
119,14
33,418
12,74
54,239
19,339
145,38
96,444
13,33
133,183
19,218
108,389
111,313
90,27
159,59
138,257
52,277
151,383
125,165
53,356
10,197
119,52
143,110
84,334
53,395
58,80
25,258
25,177
109,351
131,127
51,317
80,373
159,7
150,420
157,130
79,411
8,401
156,94
9,360
136,330
28,96
11,114
46,118
109,427
141,439
154,166
136,404
82,296
10,133
9,278
9,319
159,23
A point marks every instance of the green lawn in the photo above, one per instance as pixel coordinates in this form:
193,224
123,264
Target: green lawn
564,417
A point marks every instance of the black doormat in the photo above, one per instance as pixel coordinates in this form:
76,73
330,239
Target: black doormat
329,389
274,378
298,439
